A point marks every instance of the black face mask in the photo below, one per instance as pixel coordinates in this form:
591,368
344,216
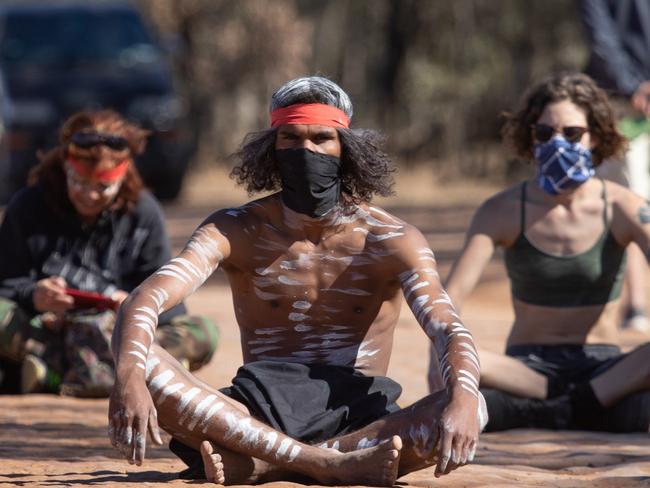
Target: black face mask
311,182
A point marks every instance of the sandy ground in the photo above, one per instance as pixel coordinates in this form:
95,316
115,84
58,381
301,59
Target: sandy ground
47,440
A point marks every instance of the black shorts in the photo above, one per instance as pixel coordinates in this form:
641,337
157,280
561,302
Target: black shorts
310,403
569,368
568,363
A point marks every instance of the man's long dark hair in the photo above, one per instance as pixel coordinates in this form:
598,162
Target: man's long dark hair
366,170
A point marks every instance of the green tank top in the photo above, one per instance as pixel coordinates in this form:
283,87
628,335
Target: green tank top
593,277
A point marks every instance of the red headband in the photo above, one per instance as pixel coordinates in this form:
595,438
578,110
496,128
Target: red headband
310,114
107,176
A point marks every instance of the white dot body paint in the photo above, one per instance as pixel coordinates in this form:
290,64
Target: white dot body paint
269,441
138,355
295,450
141,346
152,362
211,411
183,407
365,443
140,440
128,436
285,280
161,380
298,317
284,446
301,305
422,441
169,390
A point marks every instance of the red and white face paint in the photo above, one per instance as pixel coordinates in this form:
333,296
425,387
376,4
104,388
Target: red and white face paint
82,178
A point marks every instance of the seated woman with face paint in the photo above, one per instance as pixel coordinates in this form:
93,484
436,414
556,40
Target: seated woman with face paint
73,244
564,234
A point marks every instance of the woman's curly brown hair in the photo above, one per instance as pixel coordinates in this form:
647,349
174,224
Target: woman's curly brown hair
366,170
581,90
50,172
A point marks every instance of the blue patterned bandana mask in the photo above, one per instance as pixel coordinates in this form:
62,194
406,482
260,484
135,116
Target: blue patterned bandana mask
562,165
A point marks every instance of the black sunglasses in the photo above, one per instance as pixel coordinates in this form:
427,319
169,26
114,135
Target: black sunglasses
86,140
543,132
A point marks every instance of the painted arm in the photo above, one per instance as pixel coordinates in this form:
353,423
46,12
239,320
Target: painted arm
131,410
465,274
459,363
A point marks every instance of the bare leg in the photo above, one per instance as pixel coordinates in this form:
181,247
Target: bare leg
508,374
416,425
192,412
629,375
223,466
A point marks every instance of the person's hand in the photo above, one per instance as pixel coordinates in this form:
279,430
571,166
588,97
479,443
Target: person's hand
50,296
641,99
458,431
130,414
119,296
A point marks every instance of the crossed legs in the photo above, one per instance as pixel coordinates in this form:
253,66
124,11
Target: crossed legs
241,449
629,375
192,412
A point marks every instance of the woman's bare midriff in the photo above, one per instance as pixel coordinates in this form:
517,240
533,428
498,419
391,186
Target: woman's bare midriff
536,324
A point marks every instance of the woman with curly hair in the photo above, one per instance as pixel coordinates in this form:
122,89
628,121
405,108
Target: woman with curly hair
318,275
564,234
83,225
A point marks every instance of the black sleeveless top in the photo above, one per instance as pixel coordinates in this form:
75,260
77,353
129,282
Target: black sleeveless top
592,277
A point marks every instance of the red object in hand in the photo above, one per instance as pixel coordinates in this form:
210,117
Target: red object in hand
89,299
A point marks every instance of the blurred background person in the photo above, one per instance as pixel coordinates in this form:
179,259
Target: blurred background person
618,33
84,223
564,233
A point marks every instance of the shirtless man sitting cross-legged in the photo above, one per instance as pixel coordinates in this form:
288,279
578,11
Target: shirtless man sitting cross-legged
317,276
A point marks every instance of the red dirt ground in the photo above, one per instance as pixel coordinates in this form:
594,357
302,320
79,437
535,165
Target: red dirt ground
47,440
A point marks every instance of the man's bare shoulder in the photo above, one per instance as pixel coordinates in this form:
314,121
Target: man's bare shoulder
246,218
388,234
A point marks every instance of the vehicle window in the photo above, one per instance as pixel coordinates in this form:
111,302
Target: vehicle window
74,37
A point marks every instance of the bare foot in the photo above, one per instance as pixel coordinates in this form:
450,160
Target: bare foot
212,464
373,466
226,467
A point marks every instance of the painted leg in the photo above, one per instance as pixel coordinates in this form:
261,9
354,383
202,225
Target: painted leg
629,375
193,412
508,374
226,467
417,426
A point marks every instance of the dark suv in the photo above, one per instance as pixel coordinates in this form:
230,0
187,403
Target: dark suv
65,56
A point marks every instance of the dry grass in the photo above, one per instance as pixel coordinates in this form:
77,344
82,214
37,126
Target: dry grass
211,186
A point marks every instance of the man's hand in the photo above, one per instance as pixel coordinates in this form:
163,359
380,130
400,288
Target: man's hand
50,296
458,431
130,414
641,99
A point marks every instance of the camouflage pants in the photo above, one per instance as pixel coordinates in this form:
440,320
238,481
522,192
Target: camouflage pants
77,350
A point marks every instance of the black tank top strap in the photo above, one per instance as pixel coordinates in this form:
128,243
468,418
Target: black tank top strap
522,213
